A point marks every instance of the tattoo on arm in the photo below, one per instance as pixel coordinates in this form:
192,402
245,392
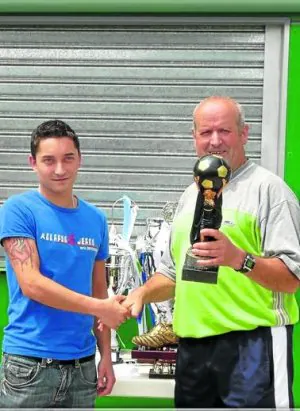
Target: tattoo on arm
19,250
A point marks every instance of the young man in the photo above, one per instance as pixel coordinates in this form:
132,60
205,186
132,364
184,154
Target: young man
56,245
235,347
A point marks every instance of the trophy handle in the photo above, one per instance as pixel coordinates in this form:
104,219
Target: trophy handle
124,198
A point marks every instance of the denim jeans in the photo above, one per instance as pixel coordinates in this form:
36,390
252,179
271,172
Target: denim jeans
26,383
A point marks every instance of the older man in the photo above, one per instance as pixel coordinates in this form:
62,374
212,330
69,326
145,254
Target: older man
235,347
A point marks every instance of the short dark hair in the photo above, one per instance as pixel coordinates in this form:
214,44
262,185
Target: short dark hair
52,128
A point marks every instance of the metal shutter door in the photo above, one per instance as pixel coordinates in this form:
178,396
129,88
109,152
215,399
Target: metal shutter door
129,93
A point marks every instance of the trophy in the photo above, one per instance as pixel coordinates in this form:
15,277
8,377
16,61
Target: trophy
114,280
163,310
121,269
211,174
159,345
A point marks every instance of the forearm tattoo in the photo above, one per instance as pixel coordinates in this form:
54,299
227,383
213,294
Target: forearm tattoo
19,250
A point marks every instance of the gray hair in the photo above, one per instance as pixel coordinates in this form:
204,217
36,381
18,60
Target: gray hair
238,106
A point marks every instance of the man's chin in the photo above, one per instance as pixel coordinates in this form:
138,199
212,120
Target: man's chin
60,190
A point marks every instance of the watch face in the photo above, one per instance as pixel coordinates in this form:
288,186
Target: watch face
249,263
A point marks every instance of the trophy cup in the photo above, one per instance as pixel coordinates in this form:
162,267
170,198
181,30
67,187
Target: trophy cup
211,174
121,271
159,345
113,276
164,310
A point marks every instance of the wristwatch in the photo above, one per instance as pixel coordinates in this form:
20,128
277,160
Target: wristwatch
248,264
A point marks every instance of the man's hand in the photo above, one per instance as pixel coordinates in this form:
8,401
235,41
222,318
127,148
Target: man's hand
106,377
134,302
219,252
112,313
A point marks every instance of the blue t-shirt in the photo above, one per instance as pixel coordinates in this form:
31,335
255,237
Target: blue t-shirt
69,241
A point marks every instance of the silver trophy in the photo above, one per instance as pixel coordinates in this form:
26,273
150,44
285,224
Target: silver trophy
155,242
121,269
169,211
151,248
163,310
157,345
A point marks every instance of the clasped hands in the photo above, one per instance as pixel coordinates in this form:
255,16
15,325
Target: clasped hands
122,308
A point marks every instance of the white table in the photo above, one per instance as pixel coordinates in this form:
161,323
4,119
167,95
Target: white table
132,380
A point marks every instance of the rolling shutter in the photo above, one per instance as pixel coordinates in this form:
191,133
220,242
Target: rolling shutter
129,93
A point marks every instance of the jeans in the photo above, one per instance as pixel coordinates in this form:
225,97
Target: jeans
27,383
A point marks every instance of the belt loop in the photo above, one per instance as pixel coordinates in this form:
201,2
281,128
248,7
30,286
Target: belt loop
77,364
4,358
44,363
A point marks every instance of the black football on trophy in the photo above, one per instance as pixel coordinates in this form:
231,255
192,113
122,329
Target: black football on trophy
211,172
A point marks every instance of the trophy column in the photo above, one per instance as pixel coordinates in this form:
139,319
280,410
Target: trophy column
211,174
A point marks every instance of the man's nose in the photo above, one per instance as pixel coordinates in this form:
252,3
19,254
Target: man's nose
215,139
59,169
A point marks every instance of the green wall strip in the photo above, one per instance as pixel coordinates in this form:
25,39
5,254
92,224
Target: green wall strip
292,170
292,175
133,402
150,6
3,306
296,341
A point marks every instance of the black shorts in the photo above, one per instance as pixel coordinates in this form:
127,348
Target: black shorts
245,369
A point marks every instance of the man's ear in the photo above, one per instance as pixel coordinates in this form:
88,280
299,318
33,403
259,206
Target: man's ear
194,137
194,133
32,162
245,134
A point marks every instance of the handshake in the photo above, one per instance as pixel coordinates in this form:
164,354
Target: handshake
117,309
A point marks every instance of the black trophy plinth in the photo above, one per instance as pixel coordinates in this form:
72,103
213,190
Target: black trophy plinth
163,360
191,272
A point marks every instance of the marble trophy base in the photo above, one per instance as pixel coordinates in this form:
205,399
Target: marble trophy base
193,272
115,348
116,356
163,361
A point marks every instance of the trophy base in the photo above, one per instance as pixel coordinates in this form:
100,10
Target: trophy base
116,356
164,354
193,272
161,371
200,276
163,361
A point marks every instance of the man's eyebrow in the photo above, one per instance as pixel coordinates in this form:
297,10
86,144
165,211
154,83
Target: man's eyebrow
51,156
47,156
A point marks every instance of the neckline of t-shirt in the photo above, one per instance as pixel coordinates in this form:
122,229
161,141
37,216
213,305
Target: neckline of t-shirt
56,207
244,167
